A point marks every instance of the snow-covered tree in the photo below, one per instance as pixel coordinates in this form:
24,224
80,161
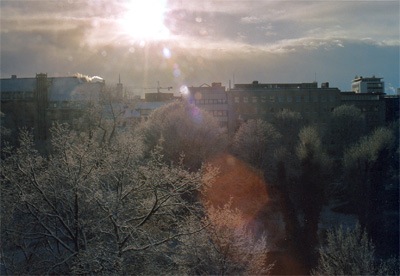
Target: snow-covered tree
224,247
351,252
255,142
90,207
184,130
367,166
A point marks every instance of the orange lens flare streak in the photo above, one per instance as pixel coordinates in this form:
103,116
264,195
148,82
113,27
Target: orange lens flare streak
239,184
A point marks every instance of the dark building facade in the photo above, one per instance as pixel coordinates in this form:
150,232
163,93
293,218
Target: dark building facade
265,100
212,99
372,105
35,103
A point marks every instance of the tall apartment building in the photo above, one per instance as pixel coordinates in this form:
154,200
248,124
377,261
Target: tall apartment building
367,85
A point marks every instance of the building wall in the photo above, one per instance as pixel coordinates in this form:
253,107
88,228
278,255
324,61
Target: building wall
373,107
392,103
264,101
35,103
158,97
38,102
212,99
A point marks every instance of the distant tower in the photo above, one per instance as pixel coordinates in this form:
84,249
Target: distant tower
120,92
367,85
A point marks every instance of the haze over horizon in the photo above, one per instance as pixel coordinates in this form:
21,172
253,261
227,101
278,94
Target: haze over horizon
190,43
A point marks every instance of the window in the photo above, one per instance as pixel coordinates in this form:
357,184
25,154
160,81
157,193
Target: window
263,99
254,99
5,95
289,99
245,99
236,99
29,95
18,95
272,99
298,99
281,99
219,113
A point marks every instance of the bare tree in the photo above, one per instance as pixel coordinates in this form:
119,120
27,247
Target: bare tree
88,208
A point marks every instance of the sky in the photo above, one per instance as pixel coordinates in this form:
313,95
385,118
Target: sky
182,43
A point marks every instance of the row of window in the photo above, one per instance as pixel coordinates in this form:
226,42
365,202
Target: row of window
66,104
210,101
315,110
361,98
219,113
370,108
27,95
273,110
283,99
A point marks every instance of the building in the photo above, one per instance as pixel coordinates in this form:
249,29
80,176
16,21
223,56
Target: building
158,97
372,105
212,99
264,100
35,103
392,103
367,85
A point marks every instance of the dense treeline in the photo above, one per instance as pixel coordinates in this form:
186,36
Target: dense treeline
311,167
115,198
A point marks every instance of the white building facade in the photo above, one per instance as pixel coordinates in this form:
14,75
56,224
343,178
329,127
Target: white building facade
367,85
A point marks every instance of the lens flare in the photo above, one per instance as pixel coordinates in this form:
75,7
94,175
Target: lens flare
166,53
240,183
184,90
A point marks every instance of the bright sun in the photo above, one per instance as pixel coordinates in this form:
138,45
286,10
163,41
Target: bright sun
144,20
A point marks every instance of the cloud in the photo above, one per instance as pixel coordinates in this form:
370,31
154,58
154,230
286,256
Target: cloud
215,23
266,40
